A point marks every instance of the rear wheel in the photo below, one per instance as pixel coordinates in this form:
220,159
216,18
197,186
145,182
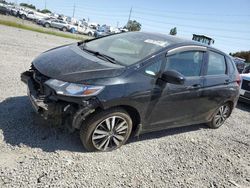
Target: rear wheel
64,29
107,130
220,116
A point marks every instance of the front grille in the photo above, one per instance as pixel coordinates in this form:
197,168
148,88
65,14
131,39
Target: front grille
245,85
247,94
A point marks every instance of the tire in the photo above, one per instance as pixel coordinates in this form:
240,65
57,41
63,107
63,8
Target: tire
222,113
47,25
64,29
89,34
23,17
98,135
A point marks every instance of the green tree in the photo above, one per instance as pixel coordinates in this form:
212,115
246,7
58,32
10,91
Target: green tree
242,54
133,25
28,5
45,11
173,31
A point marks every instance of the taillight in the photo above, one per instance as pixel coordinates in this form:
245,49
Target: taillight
238,79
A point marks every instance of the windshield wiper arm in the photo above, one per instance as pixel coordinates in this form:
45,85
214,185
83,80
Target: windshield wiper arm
98,54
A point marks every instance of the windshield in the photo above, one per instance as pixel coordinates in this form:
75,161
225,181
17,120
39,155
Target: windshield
128,48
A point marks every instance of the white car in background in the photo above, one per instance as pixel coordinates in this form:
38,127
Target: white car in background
245,88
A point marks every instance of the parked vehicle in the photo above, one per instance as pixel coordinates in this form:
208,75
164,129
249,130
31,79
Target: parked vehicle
131,83
43,21
246,69
240,64
245,88
4,10
85,30
100,32
59,24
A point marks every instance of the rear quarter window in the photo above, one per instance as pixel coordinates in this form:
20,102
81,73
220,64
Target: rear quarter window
216,64
231,66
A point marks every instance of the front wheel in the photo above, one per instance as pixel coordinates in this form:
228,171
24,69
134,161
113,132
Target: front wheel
106,130
220,116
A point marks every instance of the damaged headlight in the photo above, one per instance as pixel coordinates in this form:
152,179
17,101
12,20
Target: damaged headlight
72,89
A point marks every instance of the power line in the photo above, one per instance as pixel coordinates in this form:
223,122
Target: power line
187,25
185,18
194,13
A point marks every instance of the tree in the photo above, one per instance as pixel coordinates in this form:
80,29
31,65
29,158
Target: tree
173,31
242,54
28,5
133,25
45,11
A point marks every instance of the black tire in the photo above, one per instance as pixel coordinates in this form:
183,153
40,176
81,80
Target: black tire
95,123
89,34
23,17
64,29
220,116
47,25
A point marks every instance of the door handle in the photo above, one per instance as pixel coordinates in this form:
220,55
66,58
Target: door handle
195,86
227,81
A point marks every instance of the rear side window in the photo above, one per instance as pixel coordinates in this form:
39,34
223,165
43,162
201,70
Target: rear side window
231,66
187,63
216,64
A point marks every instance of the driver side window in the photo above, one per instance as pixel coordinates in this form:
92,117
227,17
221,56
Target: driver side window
187,63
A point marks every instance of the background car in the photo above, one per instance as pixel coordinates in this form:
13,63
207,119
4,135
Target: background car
4,10
245,88
240,64
59,24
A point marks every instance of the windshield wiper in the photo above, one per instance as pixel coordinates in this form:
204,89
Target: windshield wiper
101,55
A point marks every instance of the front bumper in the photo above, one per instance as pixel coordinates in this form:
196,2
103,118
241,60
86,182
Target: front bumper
59,109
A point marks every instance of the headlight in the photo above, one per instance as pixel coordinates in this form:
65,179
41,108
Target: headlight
72,89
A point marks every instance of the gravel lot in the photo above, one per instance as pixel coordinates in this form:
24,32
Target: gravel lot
36,154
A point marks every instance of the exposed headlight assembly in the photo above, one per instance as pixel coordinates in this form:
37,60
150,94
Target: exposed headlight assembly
72,89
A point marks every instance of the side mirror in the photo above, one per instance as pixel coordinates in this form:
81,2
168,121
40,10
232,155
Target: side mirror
173,77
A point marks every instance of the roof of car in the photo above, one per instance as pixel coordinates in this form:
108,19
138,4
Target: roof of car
182,42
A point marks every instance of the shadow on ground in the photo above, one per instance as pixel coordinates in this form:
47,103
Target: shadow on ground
20,125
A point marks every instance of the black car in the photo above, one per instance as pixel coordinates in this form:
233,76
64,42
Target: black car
132,83
240,64
4,10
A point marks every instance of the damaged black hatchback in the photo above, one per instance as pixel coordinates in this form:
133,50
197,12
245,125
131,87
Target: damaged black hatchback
126,84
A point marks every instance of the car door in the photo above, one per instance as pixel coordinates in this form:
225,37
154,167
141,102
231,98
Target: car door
54,23
179,105
216,81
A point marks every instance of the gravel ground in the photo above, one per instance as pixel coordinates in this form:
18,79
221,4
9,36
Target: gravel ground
36,154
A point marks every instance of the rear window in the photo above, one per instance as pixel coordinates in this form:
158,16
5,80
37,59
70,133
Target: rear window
216,64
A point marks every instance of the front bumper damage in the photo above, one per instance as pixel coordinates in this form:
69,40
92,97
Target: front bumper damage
60,110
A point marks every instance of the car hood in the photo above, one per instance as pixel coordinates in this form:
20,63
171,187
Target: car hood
70,63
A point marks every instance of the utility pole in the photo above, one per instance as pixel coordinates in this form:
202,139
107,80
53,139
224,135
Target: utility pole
130,12
74,8
45,4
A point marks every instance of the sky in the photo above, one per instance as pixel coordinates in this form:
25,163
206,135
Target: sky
226,21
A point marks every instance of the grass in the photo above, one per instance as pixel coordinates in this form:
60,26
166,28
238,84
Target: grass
41,30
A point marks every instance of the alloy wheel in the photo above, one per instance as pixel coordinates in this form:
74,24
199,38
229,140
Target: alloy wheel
110,133
221,115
